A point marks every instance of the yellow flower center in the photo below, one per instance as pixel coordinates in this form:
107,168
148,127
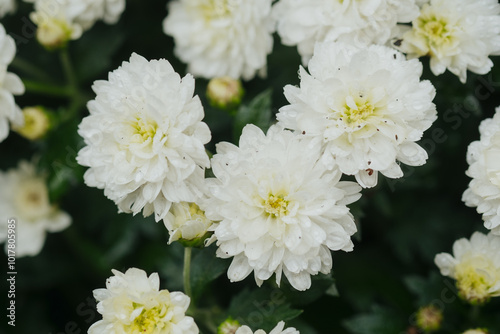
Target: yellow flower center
276,206
475,276
215,9
436,30
149,320
143,130
357,109
32,199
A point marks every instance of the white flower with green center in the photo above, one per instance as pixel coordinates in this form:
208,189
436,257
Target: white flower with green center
361,22
219,38
133,303
280,210
7,7
10,85
24,197
475,265
145,138
457,35
483,157
365,107
279,329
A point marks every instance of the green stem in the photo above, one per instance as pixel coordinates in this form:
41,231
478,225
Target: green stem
68,70
29,69
187,272
45,89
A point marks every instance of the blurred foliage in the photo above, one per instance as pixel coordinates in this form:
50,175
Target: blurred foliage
377,288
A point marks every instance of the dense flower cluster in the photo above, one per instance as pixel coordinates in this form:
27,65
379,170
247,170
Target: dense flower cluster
24,197
145,138
10,85
483,157
132,302
280,210
458,35
219,38
366,106
305,22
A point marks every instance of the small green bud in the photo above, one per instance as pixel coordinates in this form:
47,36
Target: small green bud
429,318
229,326
225,93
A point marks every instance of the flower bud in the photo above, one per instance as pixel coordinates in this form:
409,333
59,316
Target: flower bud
229,326
36,123
225,93
54,32
187,223
429,318
476,331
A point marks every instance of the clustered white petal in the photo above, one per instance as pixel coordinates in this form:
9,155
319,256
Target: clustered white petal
483,157
361,22
145,138
133,303
24,197
7,7
366,106
279,209
475,265
279,329
219,38
458,35
10,85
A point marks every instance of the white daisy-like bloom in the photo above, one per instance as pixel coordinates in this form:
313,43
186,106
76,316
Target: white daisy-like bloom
24,198
366,106
475,265
186,221
133,303
458,35
279,209
84,13
145,138
483,157
361,22
10,85
7,7
279,329
219,38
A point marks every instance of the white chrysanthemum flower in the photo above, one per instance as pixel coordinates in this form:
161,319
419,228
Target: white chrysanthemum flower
279,329
24,197
366,107
219,38
280,209
483,157
81,13
361,22
133,303
7,7
10,85
186,221
458,35
145,138
475,265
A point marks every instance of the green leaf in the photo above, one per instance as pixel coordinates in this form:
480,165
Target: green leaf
262,308
257,112
205,268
